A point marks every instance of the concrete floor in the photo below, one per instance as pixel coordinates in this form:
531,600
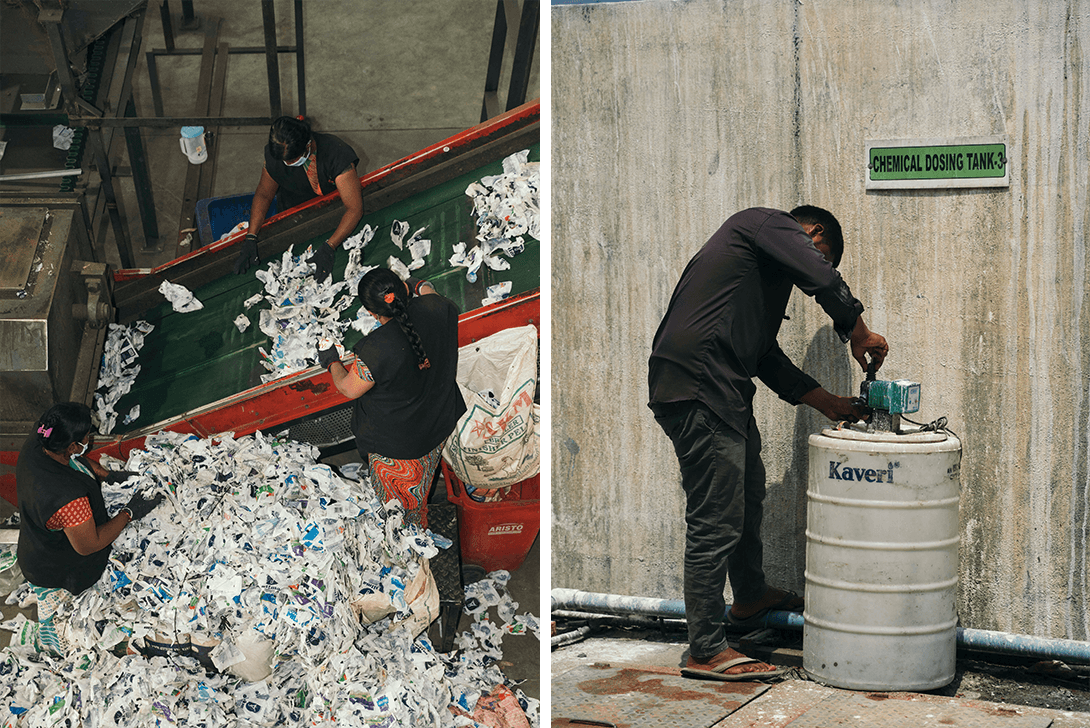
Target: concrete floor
642,695
389,78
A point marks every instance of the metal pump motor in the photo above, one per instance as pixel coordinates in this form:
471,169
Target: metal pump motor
887,401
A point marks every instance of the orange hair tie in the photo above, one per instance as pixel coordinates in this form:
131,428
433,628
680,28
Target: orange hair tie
389,297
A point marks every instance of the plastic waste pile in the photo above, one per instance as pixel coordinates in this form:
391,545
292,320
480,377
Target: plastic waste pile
256,556
118,372
507,207
304,311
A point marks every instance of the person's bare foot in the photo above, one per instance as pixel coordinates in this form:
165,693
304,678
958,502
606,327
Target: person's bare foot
773,598
711,663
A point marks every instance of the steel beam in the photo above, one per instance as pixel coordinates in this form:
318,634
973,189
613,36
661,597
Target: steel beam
272,62
524,54
300,60
141,180
490,105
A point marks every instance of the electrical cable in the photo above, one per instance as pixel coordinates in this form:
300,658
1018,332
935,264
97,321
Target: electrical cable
933,426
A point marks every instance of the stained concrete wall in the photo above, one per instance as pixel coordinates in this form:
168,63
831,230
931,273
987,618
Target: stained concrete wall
670,116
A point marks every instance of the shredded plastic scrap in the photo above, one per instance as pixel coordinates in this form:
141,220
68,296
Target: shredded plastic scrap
303,311
118,371
507,207
255,555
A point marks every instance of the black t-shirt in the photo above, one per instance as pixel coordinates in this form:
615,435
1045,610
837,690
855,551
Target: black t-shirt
43,487
410,411
720,328
331,155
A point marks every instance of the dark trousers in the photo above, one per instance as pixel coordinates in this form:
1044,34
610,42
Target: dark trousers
724,482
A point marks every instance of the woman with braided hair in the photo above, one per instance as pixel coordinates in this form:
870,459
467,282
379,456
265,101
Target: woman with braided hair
64,531
406,400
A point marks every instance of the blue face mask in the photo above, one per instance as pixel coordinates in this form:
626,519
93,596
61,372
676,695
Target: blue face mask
299,162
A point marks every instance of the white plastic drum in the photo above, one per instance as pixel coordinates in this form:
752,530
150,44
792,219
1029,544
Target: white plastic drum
882,559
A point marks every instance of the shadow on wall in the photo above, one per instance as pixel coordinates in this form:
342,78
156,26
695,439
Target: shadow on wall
829,361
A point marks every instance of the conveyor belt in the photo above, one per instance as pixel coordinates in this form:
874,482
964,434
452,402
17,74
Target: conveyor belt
192,360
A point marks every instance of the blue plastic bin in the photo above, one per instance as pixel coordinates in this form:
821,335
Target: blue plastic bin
217,215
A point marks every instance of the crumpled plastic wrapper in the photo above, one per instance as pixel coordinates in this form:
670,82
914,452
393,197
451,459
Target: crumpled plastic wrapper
181,298
244,225
496,293
255,553
118,371
63,137
471,260
398,230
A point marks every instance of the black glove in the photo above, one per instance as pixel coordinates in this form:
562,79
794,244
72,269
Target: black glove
415,284
328,356
141,505
323,262
248,255
118,476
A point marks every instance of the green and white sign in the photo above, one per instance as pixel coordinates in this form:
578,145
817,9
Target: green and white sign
937,163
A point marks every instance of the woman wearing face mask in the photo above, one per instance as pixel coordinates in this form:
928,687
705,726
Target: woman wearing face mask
64,531
300,165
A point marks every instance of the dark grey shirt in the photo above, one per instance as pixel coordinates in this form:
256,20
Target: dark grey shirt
720,329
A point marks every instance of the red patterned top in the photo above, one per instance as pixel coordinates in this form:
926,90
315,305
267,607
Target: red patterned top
72,514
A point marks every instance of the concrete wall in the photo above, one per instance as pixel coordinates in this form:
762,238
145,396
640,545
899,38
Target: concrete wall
670,116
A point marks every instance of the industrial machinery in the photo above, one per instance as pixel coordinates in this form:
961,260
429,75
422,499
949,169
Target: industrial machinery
887,401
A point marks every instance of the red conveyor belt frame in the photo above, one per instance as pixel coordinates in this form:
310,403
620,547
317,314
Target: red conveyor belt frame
308,392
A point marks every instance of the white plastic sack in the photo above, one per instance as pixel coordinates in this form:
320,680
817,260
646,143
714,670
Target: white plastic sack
257,656
496,442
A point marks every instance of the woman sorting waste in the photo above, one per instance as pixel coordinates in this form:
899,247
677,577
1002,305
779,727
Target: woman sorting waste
407,402
64,530
300,165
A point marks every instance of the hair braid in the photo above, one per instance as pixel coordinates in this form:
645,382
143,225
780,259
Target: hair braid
401,315
382,292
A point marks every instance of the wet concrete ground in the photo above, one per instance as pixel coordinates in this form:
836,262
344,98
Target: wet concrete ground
985,693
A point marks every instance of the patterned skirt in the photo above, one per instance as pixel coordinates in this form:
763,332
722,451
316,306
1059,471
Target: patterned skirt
406,480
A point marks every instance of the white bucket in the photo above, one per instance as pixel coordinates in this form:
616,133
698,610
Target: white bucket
882,559
193,145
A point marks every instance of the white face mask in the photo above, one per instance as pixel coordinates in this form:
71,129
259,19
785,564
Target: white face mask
301,161
81,452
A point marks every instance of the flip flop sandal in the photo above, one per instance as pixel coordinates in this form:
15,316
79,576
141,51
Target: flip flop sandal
719,672
757,620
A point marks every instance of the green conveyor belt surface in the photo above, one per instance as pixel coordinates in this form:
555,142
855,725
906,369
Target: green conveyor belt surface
194,359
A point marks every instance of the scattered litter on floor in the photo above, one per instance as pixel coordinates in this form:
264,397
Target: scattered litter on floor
118,371
256,563
181,298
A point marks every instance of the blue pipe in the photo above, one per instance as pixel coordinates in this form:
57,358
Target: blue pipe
973,639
